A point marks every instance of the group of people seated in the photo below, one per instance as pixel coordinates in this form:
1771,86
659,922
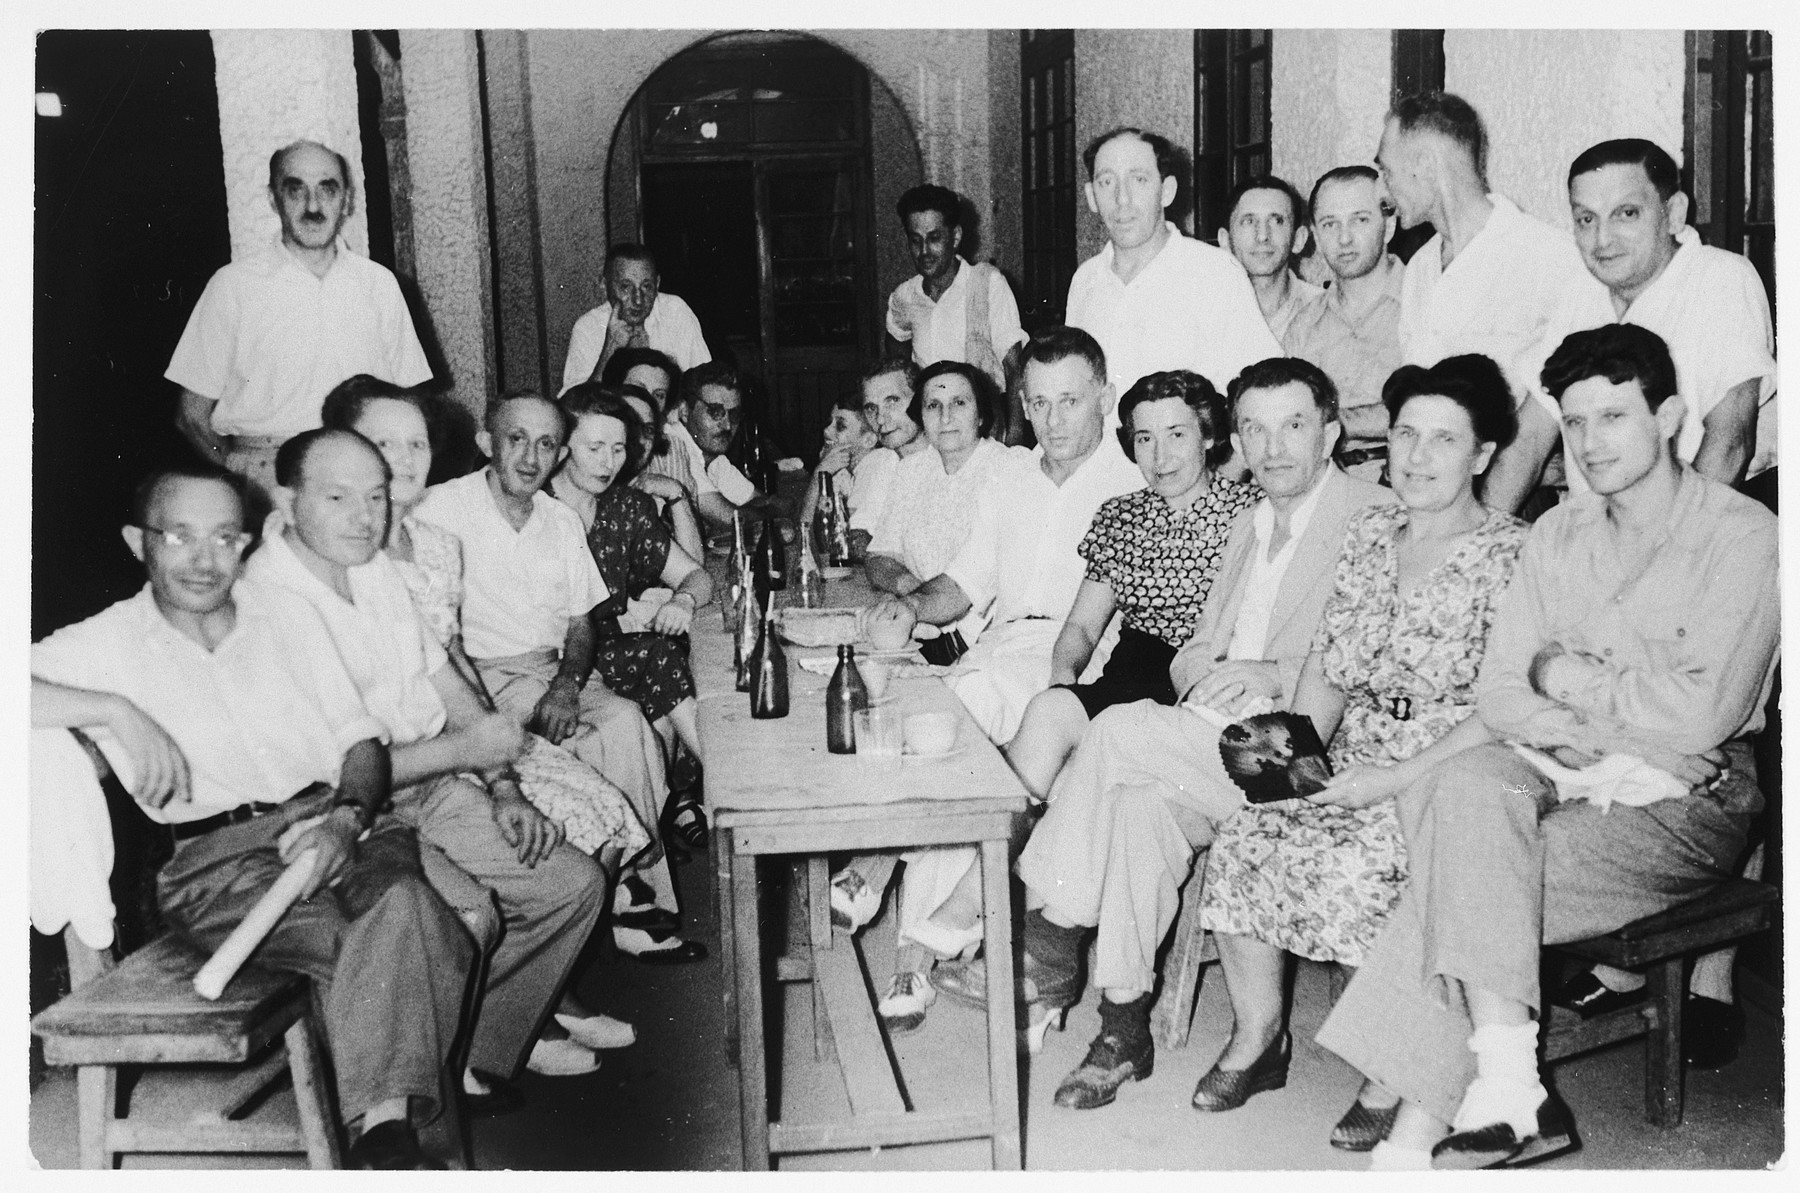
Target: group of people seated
1243,495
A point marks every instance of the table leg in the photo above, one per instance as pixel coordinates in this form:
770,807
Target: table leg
753,1082
722,855
818,919
1003,1060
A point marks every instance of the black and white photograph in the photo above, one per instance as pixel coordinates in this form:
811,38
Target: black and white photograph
710,589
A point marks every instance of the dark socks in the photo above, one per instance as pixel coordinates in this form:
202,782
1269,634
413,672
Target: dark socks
1052,958
1128,1021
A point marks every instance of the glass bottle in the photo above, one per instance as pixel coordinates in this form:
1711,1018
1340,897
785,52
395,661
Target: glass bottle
768,671
770,558
744,637
812,585
728,608
841,553
844,696
824,527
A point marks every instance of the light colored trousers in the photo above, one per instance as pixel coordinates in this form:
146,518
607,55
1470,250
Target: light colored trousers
1499,869
546,911
1142,792
613,738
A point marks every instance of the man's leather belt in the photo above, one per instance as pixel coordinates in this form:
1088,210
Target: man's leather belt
199,828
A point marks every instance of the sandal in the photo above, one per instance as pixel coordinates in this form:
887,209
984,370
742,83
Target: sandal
687,821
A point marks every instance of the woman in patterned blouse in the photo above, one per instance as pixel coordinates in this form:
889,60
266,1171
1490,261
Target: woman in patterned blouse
1390,686
1151,558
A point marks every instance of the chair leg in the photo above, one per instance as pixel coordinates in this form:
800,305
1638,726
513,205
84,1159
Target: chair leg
312,1097
97,1099
1663,1067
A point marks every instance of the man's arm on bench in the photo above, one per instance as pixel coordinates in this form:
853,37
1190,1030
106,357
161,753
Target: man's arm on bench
160,771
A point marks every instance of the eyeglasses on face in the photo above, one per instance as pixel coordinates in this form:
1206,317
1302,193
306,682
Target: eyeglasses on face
228,542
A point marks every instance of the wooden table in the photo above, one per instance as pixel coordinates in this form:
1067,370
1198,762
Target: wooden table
773,788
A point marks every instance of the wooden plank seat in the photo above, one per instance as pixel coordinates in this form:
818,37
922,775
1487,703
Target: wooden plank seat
144,1011
1660,946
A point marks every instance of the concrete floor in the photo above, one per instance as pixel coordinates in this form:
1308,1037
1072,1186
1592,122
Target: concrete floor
670,1102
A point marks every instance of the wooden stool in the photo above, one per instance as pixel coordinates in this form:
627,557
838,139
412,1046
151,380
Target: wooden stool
144,1011
1660,945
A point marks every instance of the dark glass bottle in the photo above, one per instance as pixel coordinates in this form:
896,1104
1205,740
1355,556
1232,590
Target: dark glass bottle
770,559
768,671
843,697
824,527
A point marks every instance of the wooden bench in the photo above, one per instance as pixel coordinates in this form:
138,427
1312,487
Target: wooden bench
1660,945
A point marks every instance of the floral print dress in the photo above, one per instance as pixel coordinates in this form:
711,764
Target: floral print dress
1320,881
592,811
630,546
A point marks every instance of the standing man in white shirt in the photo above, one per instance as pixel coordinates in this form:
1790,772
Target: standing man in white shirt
1020,561
1265,226
1491,281
1352,330
274,332
950,310
636,314
1153,298
1707,304
1146,787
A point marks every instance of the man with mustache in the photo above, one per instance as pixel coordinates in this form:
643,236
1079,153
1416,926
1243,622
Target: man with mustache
636,314
950,310
275,331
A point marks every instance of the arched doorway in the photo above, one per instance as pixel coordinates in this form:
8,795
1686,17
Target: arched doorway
756,166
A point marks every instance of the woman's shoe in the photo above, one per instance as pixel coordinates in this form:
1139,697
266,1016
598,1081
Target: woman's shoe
654,948
634,906
598,1031
1227,1089
561,1058
1362,1127
687,820
909,996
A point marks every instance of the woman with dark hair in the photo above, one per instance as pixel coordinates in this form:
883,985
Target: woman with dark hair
1390,687
655,585
673,503
931,504
1151,557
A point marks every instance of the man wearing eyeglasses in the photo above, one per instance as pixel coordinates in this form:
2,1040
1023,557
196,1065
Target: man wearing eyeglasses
712,408
230,718
275,330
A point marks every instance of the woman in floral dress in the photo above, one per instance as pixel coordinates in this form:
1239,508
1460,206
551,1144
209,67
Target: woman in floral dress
1390,686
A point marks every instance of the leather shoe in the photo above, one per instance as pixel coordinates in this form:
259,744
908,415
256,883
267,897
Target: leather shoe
1362,1127
390,1146
1710,1032
1496,1144
1227,1089
1589,997
1110,1063
499,1096
654,948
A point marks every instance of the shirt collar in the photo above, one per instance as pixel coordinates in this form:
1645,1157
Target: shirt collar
1263,520
1106,254
1396,279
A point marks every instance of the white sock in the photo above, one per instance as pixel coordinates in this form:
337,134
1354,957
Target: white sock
1388,1157
474,1085
1711,975
1619,981
1506,1088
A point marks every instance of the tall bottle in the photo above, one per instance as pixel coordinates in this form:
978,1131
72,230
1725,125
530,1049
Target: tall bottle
770,559
843,697
768,671
824,527
749,610
734,570
812,585
842,554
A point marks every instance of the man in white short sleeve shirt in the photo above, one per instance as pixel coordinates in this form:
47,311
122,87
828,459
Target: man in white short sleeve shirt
1265,226
636,314
238,727
487,841
1153,298
1707,304
1492,279
710,410
275,331
950,310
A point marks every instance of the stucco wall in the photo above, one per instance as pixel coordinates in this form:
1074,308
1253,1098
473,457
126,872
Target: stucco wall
1546,95
1003,239
581,81
449,204
1329,98
1141,77
277,86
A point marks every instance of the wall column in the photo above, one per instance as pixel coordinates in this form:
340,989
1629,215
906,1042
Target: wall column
277,86
444,147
